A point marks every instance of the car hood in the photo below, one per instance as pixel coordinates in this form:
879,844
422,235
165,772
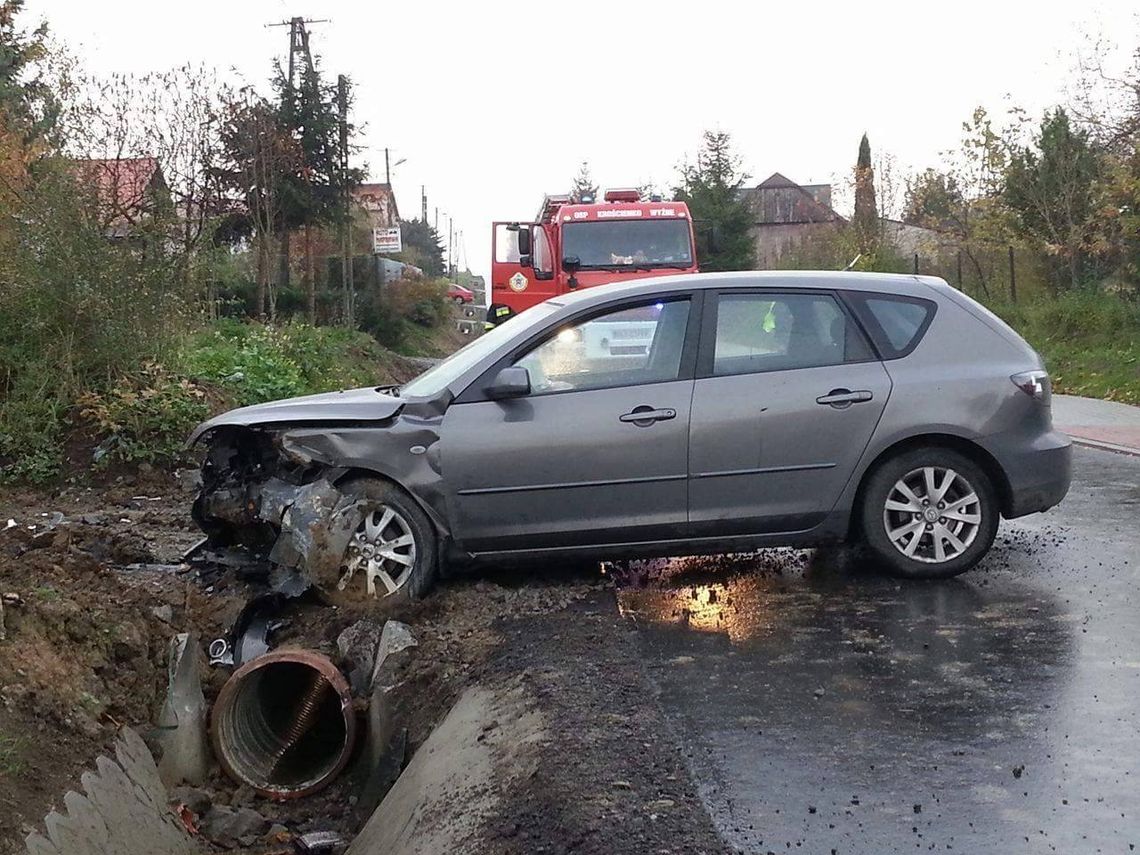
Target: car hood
350,405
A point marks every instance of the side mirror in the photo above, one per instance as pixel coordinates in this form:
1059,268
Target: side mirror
571,264
524,240
525,260
512,382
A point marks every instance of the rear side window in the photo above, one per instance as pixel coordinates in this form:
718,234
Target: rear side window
776,332
896,324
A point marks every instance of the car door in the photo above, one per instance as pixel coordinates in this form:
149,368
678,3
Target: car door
595,453
787,396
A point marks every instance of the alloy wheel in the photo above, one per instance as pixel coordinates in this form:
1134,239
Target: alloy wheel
384,547
932,514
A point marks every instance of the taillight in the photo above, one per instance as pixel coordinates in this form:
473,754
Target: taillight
1035,384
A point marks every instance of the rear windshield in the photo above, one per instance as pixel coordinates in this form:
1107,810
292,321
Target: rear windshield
895,323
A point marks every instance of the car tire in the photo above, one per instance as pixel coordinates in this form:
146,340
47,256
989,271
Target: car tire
407,518
922,534
459,301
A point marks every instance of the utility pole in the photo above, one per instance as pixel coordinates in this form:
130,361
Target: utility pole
299,43
387,168
436,226
450,242
1012,276
346,212
423,202
300,57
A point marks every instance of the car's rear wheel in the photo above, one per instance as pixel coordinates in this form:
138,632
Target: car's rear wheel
459,301
394,551
929,513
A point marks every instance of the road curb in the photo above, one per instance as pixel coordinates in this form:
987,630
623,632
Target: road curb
1100,445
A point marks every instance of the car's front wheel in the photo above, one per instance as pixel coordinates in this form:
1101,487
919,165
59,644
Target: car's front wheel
929,513
394,551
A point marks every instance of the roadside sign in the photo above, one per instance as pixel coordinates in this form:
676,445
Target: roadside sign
387,239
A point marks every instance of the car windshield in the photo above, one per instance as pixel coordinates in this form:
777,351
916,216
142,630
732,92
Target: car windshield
433,381
614,244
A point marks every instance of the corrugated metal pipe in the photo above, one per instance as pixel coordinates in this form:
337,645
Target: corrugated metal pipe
284,723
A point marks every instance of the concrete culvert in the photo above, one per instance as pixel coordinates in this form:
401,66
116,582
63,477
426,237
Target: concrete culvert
284,723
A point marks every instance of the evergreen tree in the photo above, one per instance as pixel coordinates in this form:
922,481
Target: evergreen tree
313,195
866,219
422,247
1050,186
584,185
721,217
27,104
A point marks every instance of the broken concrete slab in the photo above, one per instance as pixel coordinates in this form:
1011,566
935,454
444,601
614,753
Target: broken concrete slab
486,743
357,646
197,800
182,721
124,811
396,642
230,828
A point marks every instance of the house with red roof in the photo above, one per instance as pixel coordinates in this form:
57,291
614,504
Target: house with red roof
125,191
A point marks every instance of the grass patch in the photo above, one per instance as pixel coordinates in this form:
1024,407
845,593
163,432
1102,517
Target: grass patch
1089,340
146,414
11,755
253,363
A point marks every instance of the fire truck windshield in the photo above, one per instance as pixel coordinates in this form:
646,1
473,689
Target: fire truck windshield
616,244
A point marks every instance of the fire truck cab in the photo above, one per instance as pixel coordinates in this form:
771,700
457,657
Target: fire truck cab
579,243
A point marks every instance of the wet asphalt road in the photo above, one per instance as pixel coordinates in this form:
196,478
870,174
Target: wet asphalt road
826,709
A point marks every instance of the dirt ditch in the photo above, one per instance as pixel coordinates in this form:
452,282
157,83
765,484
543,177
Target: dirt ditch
94,590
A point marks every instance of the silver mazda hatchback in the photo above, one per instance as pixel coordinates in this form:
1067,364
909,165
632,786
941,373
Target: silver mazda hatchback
680,415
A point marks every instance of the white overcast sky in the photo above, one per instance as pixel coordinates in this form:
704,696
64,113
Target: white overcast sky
494,104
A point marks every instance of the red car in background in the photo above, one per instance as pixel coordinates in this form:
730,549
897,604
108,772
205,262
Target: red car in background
460,294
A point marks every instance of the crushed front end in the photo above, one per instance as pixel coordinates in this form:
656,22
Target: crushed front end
270,515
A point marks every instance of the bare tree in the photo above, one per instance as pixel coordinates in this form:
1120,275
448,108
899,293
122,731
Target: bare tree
171,118
1105,95
180,124
258,153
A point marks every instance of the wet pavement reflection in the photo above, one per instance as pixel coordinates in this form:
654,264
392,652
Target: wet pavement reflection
828,709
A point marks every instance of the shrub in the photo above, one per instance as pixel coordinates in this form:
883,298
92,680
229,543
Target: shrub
253,362
248,360
410,301
144,418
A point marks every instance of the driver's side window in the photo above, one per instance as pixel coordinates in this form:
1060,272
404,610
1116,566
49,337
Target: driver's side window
627,347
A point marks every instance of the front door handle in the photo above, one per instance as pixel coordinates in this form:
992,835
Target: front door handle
843,398
644,416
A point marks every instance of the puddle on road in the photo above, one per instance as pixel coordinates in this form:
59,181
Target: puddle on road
799,679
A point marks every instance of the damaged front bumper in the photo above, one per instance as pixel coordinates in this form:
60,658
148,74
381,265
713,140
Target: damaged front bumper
276,500
291,524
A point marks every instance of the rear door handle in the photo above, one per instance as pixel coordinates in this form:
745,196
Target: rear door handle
842,398
645,416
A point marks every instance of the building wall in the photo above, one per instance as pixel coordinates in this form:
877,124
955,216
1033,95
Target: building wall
916,240
774,239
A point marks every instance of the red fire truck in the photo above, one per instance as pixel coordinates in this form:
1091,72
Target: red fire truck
578,243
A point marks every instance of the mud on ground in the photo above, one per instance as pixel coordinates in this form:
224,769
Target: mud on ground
94,591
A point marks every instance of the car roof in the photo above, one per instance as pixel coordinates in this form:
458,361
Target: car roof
904,284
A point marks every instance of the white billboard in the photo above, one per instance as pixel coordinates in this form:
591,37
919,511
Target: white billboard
385,240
